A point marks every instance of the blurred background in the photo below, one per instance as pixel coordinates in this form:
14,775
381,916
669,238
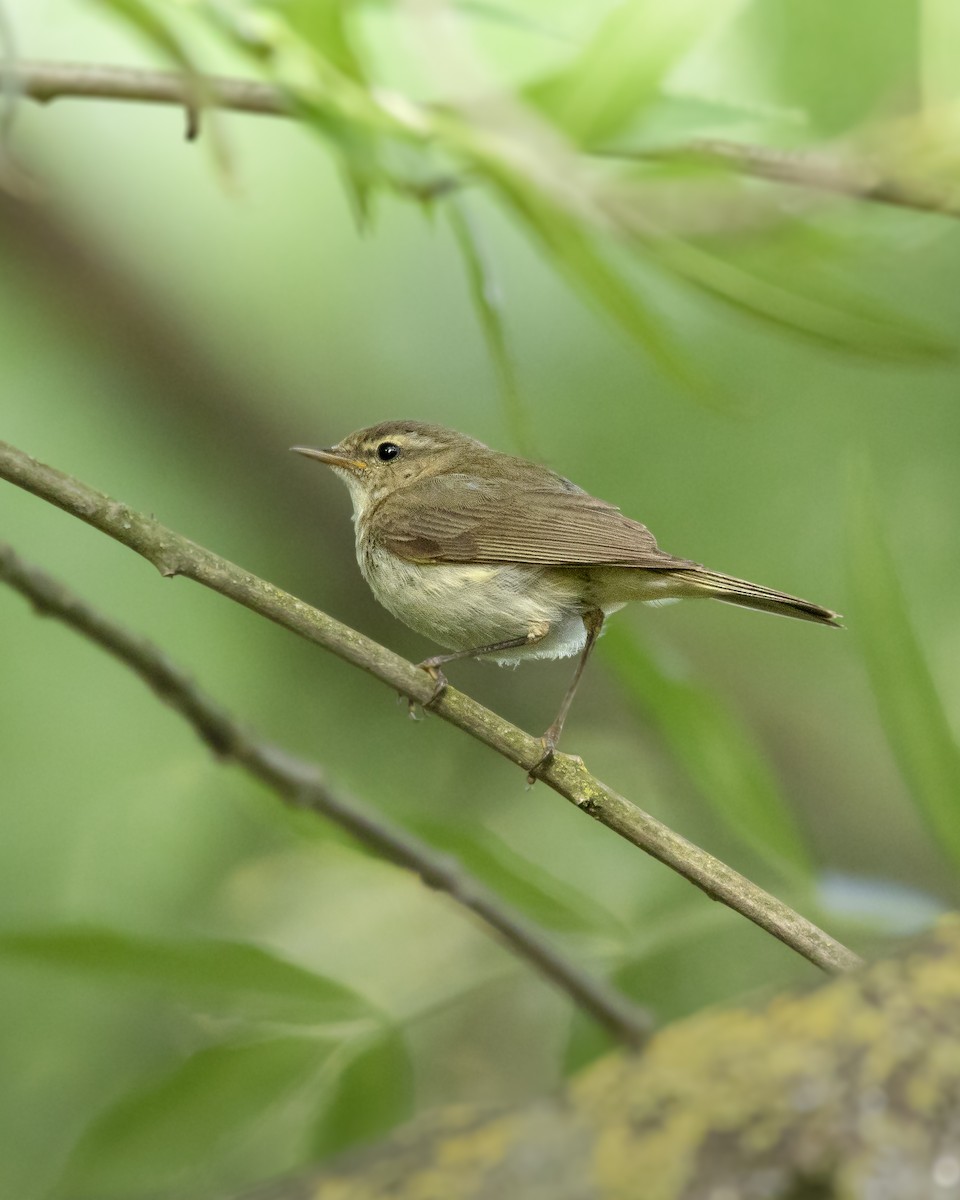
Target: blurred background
764,375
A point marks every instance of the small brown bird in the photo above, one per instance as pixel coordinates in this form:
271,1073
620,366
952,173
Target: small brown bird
496,556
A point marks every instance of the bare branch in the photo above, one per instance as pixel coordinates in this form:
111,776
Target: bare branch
301,784
174,554
46,81
859,180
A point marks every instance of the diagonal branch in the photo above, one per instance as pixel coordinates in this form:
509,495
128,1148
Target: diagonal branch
174,554
839,175
301,784
857,179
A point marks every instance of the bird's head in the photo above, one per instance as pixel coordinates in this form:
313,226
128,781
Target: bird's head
376,461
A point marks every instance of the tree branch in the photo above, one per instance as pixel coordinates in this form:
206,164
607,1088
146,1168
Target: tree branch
858,180
841,176
46,81
301,784
174,554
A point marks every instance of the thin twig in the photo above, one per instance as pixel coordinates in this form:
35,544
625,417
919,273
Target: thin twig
857,179
301,784
173,554
46,81
860,180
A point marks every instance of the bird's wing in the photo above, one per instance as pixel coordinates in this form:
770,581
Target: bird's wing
460,518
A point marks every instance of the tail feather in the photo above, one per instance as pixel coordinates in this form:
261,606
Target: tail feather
751,595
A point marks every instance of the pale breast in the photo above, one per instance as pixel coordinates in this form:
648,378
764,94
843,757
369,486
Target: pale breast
466,605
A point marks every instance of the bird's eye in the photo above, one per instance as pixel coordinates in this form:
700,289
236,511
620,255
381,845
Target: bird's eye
387,451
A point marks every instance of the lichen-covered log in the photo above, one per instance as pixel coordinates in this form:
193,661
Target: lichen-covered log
850,1091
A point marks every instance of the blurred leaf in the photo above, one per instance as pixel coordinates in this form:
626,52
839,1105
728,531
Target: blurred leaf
844,322
687,972
840,63
360,167
624,65
680,116
142,16
912,713
714,750
373,1094
525,176
306,51
663,929
156,30
500,15
488,304
519,881
585,265
174,1132
318,86
232,976
587,1041
784,273
573,253
564,203
325,25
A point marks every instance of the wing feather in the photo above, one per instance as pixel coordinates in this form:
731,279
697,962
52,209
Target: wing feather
460,518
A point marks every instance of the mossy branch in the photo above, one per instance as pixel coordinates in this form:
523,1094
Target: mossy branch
849,1090
174,554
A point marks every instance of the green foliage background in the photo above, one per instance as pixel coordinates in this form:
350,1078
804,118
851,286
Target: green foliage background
198,989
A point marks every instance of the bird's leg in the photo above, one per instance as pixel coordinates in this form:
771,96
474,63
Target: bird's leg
593,622
432,665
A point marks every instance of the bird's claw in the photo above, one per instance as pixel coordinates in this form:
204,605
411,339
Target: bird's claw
549,744
439,685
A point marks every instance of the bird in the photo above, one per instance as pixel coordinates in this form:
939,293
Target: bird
496,556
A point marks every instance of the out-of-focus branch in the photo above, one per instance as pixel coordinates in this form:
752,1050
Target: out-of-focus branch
301,784
857,179
174,554
817,171
747,1101
46,81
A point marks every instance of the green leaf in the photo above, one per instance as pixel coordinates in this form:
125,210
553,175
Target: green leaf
623,67
563,215
844,322
500,15
306,50
488,304
325,24
175,1132
156,31
911,710
521,883
714,750
682,115
573,252
224,976
672,929
843,64
373,1094
360,167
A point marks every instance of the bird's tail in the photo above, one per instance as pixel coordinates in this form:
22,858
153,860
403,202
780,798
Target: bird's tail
701,582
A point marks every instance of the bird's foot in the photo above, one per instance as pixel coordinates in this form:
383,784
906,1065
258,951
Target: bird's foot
549,744
439,684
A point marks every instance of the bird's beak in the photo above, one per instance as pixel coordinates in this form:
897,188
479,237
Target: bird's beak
331,458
